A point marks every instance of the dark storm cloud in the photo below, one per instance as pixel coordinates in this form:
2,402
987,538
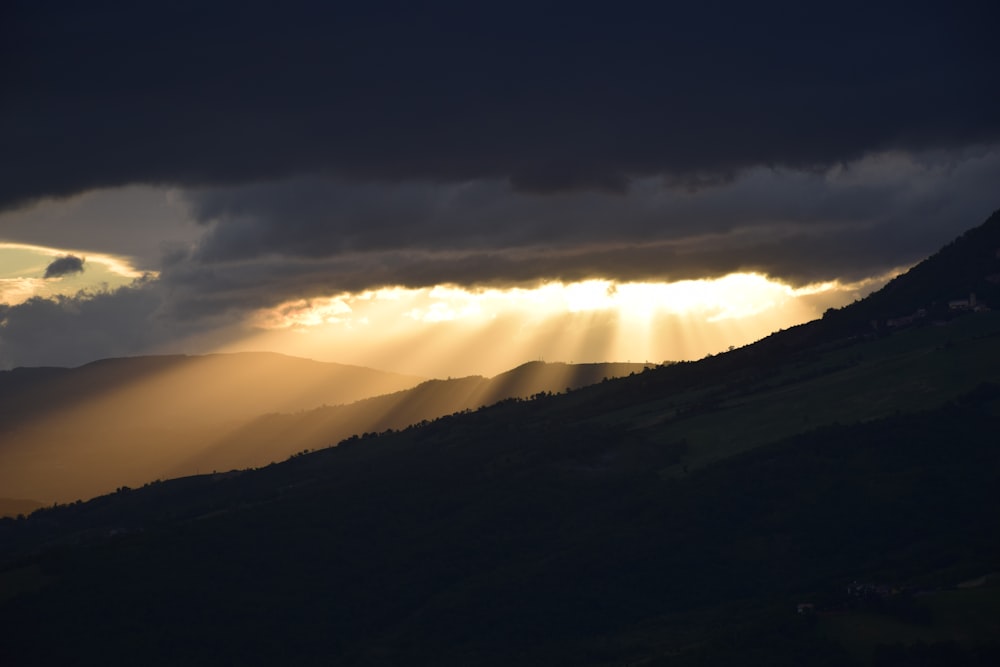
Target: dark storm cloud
135,222
850,221
71,330
64,266
545,96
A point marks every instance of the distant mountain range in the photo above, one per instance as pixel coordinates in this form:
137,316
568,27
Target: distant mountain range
211,387
824,496
68,434
274,437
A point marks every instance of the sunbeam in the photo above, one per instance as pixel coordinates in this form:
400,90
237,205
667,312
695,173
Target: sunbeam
449,330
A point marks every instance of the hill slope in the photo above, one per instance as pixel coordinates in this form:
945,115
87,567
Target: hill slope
502,537
967,267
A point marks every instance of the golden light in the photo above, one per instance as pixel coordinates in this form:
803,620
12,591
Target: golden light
453,330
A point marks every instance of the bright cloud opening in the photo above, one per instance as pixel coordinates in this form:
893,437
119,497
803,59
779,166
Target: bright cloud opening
452,330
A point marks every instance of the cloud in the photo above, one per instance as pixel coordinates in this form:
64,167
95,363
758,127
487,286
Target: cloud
134,223
546,99
71,330
852,221
63,266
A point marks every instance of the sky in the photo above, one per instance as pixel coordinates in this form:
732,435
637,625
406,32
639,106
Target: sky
455,188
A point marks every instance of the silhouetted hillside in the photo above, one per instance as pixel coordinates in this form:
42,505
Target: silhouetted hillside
969,265
192,388
502,537
11,507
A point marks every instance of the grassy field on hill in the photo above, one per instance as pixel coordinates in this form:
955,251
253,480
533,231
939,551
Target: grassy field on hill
914,369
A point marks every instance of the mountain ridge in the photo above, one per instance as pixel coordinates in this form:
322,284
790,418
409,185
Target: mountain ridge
75,433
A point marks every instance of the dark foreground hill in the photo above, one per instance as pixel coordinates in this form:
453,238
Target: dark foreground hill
812,499
501,537
962,276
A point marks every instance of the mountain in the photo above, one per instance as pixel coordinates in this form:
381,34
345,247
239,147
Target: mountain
969,265
193,388
274,437
75,433
825,496
68,433
966,270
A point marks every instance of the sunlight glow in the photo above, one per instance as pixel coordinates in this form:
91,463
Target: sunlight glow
448,329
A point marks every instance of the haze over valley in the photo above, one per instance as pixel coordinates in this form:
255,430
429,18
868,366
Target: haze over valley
71,434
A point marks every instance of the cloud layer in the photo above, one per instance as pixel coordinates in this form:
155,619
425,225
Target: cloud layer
547,97
850,221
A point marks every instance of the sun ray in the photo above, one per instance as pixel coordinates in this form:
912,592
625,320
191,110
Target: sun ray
448,330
